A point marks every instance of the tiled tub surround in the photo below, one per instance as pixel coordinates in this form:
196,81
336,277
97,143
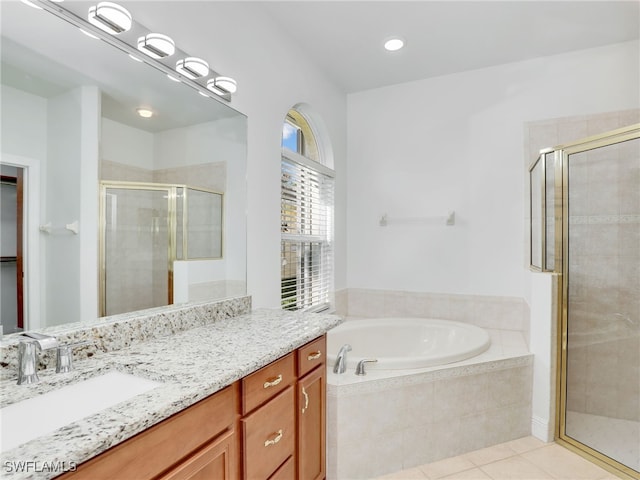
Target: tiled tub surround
191,365
393,420
507,313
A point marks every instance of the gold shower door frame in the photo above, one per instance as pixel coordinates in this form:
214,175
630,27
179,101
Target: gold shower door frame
562,154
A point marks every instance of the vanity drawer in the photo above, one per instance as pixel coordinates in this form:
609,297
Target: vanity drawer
267,382
269,436
311,355
151,452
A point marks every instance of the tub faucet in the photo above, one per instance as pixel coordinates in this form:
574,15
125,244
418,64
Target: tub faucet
341,360
360,368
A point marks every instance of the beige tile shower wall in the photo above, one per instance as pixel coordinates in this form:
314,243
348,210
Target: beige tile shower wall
211,176
119,172
604,377
557,131
603,363
604,305
507,313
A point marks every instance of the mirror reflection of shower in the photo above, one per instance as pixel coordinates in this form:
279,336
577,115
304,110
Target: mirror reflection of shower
145,229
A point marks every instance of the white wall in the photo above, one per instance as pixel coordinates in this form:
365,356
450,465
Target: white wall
72,195
273,75
124,144
456,143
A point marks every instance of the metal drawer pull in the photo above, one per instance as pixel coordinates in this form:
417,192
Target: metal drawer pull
314,355
274,440
306,400
272,383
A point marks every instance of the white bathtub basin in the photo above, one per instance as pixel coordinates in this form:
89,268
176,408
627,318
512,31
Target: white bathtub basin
404,343
34,417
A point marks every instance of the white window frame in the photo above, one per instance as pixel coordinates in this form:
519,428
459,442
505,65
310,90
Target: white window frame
313,282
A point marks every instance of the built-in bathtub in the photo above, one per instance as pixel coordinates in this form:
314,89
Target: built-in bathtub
405,343
473,393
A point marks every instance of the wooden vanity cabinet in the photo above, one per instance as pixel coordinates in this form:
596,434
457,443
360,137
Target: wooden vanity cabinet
268,422
217,460
188,444
268,426
284,412
311,414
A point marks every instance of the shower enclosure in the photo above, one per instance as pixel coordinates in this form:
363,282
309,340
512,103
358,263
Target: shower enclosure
145,228
585,215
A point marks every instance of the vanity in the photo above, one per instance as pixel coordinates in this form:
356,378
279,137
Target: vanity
175,376
237,396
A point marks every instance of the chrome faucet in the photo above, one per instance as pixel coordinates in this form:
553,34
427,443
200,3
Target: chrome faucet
360,368
28,349
341,360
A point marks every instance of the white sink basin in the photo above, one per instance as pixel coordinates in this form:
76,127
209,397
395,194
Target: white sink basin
34,417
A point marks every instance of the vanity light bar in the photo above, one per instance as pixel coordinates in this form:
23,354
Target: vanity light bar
155,46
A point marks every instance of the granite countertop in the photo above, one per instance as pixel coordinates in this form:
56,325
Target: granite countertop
190,366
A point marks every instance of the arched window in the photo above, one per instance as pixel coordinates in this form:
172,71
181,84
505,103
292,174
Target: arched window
307,190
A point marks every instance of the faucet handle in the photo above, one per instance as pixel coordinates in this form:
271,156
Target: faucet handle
27,362
64,356
44,342
360,367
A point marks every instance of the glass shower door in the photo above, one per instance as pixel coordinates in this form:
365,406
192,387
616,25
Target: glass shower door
602,301
136,254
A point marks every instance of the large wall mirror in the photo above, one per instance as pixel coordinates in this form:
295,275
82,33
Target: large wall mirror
94,196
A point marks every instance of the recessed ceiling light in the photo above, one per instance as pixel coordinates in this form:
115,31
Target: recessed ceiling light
144,112
393,44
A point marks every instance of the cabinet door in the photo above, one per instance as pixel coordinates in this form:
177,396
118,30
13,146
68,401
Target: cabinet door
311,425
215,461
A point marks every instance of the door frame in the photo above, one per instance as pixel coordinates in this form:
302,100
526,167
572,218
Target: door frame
32,313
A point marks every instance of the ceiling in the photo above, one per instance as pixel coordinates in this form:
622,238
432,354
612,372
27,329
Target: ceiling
344,38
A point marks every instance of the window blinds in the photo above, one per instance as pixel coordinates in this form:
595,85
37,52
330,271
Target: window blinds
307,192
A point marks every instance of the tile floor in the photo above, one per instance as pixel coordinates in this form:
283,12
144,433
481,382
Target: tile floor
526,459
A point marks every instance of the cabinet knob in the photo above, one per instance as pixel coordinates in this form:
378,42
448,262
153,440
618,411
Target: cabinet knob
274,440
272,382
314,355
306,400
